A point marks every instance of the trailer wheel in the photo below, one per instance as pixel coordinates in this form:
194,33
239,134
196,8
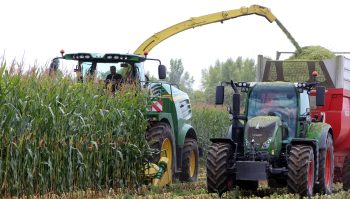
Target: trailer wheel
159,137
346,173
326,169
189,168
301,171
218,181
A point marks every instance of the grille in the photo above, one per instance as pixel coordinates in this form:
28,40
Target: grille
261,134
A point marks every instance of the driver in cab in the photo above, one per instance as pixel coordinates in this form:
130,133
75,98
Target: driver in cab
277,105
113,79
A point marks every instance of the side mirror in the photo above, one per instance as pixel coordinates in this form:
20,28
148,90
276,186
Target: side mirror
320,95
219,98
236,103
161,72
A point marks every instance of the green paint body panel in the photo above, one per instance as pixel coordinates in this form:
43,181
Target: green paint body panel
273,143
176,109
319,132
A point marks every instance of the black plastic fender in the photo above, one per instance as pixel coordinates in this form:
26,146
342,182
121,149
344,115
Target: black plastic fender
223,140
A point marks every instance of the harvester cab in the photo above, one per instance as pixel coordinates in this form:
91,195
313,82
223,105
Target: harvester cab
169,131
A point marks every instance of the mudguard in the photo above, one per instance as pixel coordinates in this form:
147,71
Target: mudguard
223,140
183,132
319,132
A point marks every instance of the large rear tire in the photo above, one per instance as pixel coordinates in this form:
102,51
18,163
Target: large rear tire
301,171
218,181
189,167
326,168
346,173
159,137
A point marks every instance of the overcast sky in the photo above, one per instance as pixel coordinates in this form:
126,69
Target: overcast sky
40,28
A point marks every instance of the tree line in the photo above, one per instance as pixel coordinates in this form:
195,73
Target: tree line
240,69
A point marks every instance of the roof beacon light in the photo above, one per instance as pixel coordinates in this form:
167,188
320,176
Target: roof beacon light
62,52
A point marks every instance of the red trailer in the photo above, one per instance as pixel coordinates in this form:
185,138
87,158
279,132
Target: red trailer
334,74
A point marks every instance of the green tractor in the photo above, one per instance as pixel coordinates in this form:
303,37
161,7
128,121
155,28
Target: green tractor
274,139
169,132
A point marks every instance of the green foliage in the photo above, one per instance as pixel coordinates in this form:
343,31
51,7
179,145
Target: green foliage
313,53
209,122
176,70
238,70
58,136
177,76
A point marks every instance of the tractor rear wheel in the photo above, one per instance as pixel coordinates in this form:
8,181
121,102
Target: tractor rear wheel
218,181
301,170
159,137
346,173
326,168
189,167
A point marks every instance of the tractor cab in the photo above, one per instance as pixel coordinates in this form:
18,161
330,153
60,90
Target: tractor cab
269,107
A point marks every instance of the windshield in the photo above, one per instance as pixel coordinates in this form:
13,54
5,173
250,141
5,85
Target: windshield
274,100
100,70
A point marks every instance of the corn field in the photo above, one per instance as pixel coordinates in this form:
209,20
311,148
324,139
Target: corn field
209,122
61,136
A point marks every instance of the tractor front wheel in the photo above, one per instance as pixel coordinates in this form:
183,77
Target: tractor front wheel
189,168
301,170
218,180
326,169
160,138
346,173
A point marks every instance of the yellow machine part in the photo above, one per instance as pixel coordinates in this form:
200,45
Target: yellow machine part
159,176
192,163
193,22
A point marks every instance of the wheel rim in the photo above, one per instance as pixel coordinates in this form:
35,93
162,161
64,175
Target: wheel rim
328,169
192,163
310,177
167,151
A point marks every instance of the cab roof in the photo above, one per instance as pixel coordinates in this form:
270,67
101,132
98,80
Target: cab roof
104,58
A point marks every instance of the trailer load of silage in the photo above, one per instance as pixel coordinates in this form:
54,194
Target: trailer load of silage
57,135
312,53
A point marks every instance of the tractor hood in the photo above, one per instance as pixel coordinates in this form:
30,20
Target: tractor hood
265,131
